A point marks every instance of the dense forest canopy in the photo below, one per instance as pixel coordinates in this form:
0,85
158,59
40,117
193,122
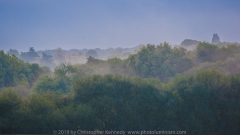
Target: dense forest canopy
159,87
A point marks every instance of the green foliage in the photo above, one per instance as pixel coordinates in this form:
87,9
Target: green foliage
14,71
215,96
117,66
45,83
82,71
110,66
212,53
229,66
121,102
64,75
202,95
207,102
63,69
10,102
80,117
161,61
206,51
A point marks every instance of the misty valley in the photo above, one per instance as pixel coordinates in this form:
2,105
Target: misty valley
192,87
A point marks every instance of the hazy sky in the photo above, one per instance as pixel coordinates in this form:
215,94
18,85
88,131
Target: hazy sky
48,24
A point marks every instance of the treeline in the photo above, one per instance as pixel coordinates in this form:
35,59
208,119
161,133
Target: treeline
53,58
158,88
165,62
223,59
18,74
207,102
162,61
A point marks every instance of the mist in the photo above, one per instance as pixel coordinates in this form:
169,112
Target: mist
122,67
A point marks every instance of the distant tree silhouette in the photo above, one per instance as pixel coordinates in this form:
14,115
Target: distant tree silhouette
13,51
215,39
29,56
91,53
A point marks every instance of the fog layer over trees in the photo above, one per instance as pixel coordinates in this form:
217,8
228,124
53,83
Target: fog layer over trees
158,87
